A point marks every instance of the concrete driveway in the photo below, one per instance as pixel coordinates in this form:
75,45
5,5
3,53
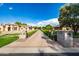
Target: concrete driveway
37,43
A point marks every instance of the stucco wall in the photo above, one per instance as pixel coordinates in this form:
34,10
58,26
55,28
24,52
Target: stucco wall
65,38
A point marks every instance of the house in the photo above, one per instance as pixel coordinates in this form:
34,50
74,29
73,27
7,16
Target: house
9,27
14,27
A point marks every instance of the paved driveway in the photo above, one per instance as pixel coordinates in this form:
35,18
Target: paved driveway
37,43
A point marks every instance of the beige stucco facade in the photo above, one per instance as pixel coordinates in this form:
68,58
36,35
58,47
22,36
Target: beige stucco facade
1,28
9,27
14,27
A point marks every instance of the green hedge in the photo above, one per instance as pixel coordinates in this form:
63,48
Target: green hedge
49,34
55,35
46,32
6,39
76,35
30,33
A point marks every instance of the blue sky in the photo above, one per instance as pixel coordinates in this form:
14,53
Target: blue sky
31,13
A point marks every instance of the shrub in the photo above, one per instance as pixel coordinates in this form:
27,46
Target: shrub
49,34
55,35
30,33
46,32
76,35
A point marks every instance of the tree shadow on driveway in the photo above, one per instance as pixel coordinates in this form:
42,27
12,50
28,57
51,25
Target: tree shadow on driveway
51,43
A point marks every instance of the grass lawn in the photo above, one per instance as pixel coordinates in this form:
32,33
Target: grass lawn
31,33
6,39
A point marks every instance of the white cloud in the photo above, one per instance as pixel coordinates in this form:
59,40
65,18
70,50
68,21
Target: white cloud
53,22
10,8
31,24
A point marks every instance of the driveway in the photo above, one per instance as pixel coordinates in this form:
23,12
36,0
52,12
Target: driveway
37,43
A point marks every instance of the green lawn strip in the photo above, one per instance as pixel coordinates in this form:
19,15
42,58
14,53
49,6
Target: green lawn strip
6,39
31,33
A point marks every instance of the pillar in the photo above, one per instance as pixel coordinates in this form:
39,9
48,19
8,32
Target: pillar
65,38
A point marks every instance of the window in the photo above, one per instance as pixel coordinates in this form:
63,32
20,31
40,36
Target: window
15,28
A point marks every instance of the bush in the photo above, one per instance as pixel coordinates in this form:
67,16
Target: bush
6,39
30,33
55,35
76,35
49,34
46,32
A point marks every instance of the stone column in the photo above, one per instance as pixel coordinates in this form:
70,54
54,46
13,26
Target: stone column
1,28
11,28
22,34
6,28
17,28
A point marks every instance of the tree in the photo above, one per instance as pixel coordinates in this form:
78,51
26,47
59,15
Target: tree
20,24
49,27
69,16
